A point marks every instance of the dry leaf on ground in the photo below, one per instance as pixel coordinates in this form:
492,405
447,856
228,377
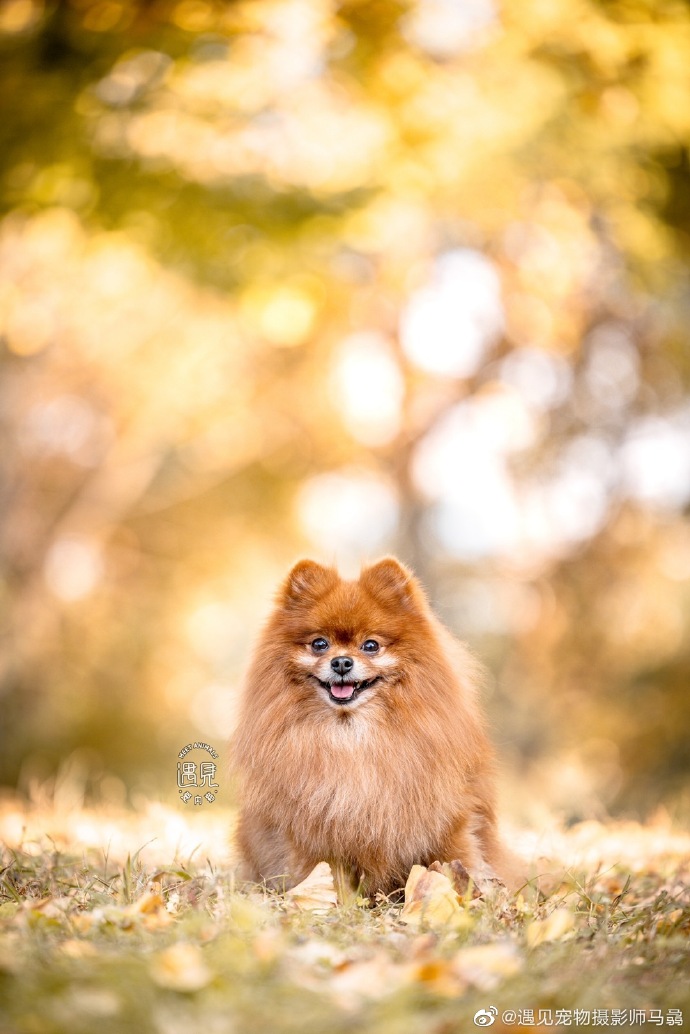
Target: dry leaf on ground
148,911
486,965
181,967
353,983
553,928
440,977
430,898
316,893
458,876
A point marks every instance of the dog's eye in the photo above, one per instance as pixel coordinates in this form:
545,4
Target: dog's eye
319,645
370,646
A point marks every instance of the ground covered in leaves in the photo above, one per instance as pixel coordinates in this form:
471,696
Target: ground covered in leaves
135,923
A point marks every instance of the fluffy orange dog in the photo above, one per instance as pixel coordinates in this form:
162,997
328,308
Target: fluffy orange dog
360,740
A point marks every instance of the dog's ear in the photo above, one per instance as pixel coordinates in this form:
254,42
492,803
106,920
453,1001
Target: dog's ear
306,583
392,584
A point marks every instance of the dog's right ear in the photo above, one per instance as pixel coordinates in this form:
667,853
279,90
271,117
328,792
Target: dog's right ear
306,583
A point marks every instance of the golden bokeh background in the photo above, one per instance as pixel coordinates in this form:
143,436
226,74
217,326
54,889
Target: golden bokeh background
286,277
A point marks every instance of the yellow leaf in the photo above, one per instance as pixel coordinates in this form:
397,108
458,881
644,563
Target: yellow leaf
485,965
268,945
353,983
248,913
440,977
82,921
430,899
146,904
553,928
457,874
181,967
150,907
316,893
416,873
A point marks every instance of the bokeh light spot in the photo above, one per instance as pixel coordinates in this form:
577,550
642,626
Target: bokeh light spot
368,388
448,325
348,514
73,567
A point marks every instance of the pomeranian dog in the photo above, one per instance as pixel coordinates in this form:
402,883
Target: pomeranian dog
360,740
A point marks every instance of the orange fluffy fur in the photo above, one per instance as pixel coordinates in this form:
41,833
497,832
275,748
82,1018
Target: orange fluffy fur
402,774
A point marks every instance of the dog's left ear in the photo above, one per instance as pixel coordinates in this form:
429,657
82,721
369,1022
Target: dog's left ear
391,583
306,583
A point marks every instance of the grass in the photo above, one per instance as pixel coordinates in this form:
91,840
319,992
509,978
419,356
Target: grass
134,923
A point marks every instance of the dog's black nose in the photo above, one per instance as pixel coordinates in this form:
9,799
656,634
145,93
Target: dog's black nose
341,665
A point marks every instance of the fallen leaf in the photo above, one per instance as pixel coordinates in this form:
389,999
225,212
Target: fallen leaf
147,904
75,949
83,921
173,904
181,967
248,912
430,899
48,913
312,963
150,909
553,928
458,876
440,977
316,893
423,945
486,965
268,945
354,983
318,953
521,905
180,874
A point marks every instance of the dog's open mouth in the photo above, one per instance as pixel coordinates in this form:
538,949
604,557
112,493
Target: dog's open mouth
345,692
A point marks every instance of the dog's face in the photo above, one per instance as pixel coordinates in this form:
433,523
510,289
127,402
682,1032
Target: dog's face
346,641
346,662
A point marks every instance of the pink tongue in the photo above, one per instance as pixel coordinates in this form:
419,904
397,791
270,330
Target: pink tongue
342,691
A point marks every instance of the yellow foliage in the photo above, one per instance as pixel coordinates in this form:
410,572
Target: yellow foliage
181,967
431,900
556,926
